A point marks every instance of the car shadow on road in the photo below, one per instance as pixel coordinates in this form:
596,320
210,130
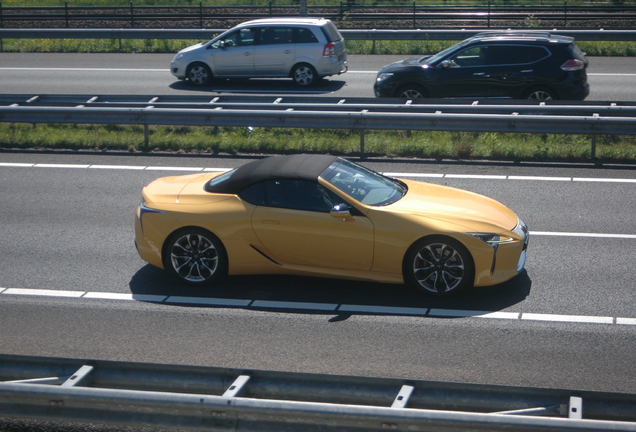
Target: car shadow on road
272,86
291,293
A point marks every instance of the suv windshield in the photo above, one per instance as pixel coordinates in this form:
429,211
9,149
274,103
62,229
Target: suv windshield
362,184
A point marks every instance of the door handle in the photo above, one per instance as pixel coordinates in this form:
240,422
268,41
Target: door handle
270,222
479,74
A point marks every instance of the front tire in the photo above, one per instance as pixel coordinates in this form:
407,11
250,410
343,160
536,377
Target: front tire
195,256
439,266
199,74
305,75
411,91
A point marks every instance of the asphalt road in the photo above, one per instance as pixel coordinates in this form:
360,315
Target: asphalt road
610,78
69,271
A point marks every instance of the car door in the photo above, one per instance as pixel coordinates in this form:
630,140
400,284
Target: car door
464,74
512,68
275,52
296,227
233,56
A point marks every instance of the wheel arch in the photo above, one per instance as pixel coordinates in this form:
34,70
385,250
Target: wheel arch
184,229
411,83
540,86
434,237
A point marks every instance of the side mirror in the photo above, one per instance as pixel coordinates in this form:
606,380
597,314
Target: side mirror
445,64
342,211
222,44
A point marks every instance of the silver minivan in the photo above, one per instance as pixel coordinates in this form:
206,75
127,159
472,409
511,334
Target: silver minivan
305,49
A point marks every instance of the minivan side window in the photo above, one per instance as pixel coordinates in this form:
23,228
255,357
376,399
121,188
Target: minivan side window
305,35
275,35
240,37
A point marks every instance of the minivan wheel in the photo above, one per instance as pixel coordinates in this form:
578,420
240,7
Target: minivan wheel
199,74
305,75
411,91
540,94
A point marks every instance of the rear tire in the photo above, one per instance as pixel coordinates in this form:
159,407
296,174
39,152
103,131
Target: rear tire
439,266
540,94
305,75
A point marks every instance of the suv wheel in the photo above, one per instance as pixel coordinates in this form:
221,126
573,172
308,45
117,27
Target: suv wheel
304,75
411,91
540,94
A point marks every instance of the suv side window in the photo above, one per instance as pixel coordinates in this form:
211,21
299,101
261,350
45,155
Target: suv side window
515,54
305,35
276,35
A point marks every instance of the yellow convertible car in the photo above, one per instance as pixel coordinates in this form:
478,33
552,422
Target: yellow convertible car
325,216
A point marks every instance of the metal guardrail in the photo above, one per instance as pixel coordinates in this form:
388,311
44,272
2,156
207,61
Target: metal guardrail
486,14
206,398
324,113
370,34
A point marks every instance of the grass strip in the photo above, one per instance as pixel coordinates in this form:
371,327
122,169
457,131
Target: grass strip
217,140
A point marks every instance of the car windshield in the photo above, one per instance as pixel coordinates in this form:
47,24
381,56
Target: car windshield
362,184
442,54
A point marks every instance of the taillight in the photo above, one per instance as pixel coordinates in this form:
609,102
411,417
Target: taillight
573,65
329,50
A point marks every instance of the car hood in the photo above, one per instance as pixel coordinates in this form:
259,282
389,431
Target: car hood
462,207
186,189
410,62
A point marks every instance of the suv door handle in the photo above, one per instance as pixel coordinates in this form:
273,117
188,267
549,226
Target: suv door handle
527,71
479,74
247,53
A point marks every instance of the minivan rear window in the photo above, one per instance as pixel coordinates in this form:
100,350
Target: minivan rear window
331,32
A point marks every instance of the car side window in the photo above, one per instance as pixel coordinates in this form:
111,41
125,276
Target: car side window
254,194
276,35
305,35
516,54
242,37
473,56
299,195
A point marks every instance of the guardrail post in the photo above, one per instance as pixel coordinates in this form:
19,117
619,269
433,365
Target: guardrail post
565,13
201,14
66,13
414,19
1,23
593,146
362,142
146,136
488,13
132,15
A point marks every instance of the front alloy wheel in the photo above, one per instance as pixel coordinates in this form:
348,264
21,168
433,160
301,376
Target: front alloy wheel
439,266
199,74
195,257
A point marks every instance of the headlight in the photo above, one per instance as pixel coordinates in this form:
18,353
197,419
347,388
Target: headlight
179,56
492,239
384,76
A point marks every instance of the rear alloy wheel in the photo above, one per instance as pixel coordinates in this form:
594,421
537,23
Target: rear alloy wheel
305,75
410,91
199,74
540,94
439,266
196,257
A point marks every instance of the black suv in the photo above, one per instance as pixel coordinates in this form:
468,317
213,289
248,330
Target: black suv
536,66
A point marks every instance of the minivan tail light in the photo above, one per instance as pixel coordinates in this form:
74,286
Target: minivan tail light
573,65
329,50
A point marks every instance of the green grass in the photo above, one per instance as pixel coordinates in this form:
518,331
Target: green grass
214,140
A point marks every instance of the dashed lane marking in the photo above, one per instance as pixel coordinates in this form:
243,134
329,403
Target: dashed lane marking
320,307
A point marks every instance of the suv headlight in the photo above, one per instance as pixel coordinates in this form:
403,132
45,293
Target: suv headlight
383,76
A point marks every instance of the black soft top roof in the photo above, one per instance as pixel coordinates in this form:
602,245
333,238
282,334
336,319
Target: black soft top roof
298,167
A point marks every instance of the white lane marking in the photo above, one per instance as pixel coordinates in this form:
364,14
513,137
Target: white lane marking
165,168
60,166
475,176
321,307
42,292
118,167
267,304
383,310
539,178
567,318
389,174
85,69
591,235
453,313
208,301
